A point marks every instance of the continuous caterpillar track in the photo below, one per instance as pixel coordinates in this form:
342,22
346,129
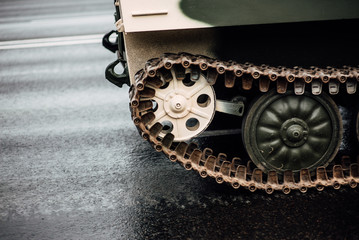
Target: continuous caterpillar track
158,71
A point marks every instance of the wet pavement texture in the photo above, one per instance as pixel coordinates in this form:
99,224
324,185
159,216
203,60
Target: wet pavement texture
72,165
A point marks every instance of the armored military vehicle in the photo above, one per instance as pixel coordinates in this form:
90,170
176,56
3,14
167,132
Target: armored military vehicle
257,94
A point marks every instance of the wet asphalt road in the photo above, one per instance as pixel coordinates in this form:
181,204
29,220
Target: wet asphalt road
72,165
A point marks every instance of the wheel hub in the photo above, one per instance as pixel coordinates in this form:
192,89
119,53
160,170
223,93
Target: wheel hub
294,132
177,105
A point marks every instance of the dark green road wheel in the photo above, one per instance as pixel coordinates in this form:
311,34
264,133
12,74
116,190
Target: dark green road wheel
291,132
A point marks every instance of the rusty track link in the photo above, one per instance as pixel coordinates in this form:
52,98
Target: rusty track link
157,72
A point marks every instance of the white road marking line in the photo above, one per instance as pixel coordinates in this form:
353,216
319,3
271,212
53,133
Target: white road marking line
49,42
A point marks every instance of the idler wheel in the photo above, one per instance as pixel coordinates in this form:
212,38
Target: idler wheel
291,132
184,107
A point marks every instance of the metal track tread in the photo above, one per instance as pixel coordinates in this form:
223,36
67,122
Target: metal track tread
157,71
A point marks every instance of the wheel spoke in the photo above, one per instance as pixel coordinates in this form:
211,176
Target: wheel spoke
160,95
306,108
159,102
175,84
314,140
295,155
298,158
162,92
267,131
268,138
281,109
271,119
310,154
320,128
159,115
267,148
294,105
279,157
197,87
200,113
176,127
318,144
318,115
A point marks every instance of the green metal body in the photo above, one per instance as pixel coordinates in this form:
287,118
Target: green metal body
244,12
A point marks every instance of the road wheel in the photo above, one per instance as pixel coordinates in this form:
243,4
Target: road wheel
291,132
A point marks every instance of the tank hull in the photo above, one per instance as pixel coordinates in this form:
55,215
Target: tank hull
284,121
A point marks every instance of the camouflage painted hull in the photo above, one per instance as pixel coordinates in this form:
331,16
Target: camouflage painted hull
155,15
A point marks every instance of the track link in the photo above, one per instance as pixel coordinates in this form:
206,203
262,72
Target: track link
157,71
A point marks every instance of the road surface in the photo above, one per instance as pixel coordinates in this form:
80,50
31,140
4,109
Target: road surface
72,165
